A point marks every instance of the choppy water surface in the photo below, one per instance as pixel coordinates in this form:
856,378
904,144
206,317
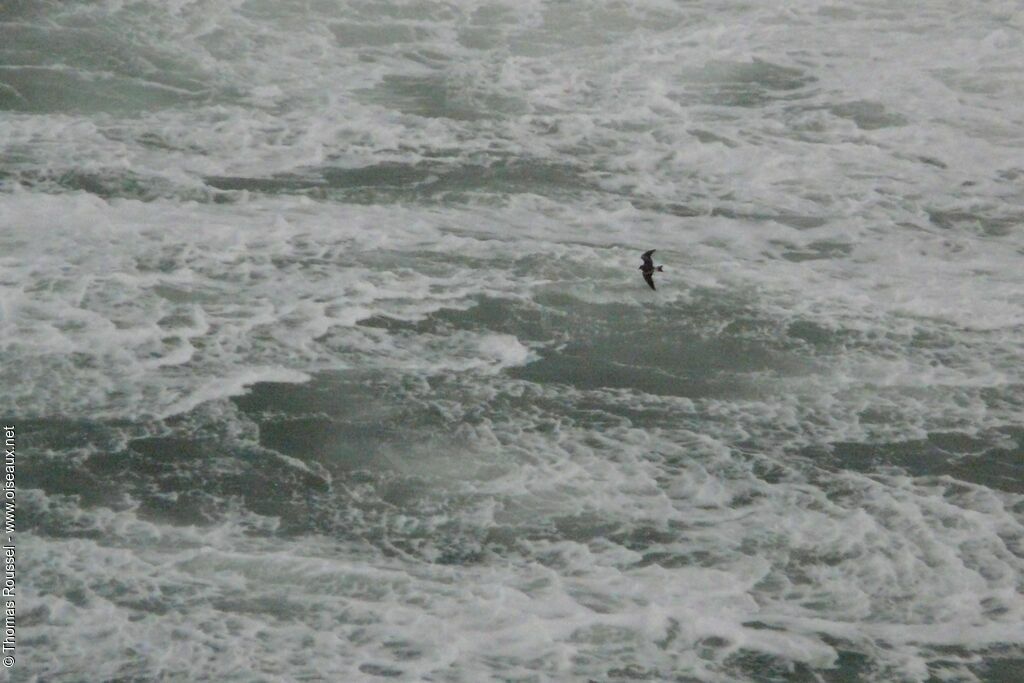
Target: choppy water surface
323,334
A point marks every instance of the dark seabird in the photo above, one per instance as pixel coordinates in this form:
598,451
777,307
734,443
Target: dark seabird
648,268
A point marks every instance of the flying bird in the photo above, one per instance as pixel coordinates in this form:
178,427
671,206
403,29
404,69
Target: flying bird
648,268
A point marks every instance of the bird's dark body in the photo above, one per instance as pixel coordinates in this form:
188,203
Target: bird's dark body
649,269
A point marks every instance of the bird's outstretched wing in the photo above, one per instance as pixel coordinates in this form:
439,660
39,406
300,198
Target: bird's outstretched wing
649,276
647,258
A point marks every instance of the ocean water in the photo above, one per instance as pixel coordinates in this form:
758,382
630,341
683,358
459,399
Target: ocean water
323,334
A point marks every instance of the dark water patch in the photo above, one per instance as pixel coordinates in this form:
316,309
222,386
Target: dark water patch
587,368
439,96
936,339
762,667
153,141
200,478
816,251
383,322
851,665
685,352
361,398
584,527
672,208
384,175
387,174
337,423
478,38
680,364
525,321
868,115
176,478
801,222
707,137
59,464
422,181
281,184
839,12
111,184
52,89
346,446
390,461
20,10
96,51
975,221
634,672
956,662
380,670
378,34
812,333
1000,667
521,175
684,210
68,435
641,536
932,161
746,84
54,68
962,456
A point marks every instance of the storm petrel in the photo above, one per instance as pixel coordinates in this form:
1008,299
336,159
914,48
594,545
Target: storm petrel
648,268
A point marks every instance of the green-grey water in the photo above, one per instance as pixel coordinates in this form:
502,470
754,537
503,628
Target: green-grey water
330,360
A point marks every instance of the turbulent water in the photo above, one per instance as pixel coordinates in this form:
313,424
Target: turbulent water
329,358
